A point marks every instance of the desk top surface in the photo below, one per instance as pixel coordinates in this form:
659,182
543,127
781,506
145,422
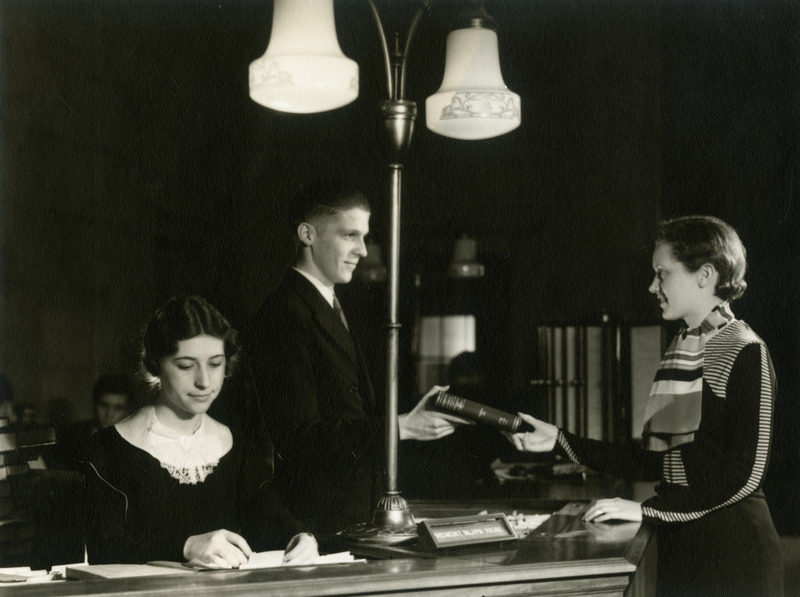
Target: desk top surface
563,547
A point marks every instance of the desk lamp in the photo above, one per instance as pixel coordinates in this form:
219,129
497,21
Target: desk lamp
304,70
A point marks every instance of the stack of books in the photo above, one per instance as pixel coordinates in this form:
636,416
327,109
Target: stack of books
18,446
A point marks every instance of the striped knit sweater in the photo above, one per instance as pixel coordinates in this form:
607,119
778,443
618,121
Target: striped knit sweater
727,460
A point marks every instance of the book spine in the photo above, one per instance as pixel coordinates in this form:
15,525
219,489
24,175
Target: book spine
8,441
475,411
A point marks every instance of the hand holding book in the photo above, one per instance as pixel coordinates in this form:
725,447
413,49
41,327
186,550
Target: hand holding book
541,437
425,423
480,413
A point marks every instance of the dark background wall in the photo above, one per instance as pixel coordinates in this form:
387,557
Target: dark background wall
134,166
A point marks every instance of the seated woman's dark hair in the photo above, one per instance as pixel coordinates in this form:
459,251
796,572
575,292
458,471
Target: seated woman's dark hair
697,240
182,318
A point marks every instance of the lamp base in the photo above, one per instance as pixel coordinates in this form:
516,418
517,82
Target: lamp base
391,523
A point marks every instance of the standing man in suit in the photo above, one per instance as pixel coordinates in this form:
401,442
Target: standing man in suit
317,398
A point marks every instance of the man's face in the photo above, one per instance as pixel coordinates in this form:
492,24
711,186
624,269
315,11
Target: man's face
110,409
337,245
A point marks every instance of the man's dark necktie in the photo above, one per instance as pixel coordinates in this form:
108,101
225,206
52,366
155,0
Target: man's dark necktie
338,308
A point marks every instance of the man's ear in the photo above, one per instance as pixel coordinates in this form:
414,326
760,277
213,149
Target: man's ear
707,275
306,233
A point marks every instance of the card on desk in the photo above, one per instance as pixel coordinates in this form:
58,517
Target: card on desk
272,559
263,559
81,572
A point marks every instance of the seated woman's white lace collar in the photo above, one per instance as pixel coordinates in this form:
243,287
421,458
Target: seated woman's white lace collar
188,458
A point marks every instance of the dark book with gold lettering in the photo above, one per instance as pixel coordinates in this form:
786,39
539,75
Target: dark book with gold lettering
480,413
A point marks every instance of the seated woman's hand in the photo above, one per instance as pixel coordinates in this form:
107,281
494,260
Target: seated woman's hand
302,549
541,439
217,549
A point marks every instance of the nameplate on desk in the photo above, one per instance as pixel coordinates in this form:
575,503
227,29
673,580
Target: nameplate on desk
439,533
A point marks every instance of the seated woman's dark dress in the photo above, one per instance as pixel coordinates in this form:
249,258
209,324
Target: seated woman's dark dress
142,510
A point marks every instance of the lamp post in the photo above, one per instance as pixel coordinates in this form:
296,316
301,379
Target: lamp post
392,520
304,70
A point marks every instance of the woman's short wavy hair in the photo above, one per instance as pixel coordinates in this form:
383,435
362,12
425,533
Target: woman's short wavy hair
697,240
183,318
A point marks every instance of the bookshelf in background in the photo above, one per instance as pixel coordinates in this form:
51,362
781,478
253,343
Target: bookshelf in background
16,526
594,380
19,447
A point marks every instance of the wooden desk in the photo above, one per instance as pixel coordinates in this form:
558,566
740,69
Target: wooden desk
566,558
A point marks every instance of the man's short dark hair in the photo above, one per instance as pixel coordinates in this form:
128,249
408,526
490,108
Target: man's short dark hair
324,197
112,384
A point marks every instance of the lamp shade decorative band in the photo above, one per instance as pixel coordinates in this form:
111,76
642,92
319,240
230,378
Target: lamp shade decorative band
473,101
303,69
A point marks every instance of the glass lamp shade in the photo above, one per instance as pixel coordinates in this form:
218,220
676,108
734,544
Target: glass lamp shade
303,69
473,102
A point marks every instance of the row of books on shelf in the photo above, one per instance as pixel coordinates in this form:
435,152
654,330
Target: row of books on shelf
24,438
18,447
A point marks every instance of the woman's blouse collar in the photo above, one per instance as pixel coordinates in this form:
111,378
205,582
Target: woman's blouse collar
189,458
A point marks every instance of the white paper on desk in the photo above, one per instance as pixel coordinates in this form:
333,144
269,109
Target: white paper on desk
273,559
24,574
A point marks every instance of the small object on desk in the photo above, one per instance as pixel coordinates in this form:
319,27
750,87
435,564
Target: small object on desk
480,413
520,471
524,524
438,533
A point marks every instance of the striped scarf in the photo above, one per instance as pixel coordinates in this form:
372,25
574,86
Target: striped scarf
675,405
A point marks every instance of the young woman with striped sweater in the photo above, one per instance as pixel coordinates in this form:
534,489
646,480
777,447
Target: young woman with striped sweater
707,431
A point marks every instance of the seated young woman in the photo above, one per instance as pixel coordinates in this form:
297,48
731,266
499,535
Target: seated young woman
171,483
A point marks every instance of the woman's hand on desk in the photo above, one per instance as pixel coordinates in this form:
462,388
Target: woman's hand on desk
217,549
613,533
302,549
541,439
613,509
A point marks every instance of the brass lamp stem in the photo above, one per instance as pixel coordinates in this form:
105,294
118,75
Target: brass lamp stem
392,521
398,119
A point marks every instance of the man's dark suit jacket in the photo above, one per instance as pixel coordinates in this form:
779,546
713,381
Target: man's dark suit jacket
319,407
